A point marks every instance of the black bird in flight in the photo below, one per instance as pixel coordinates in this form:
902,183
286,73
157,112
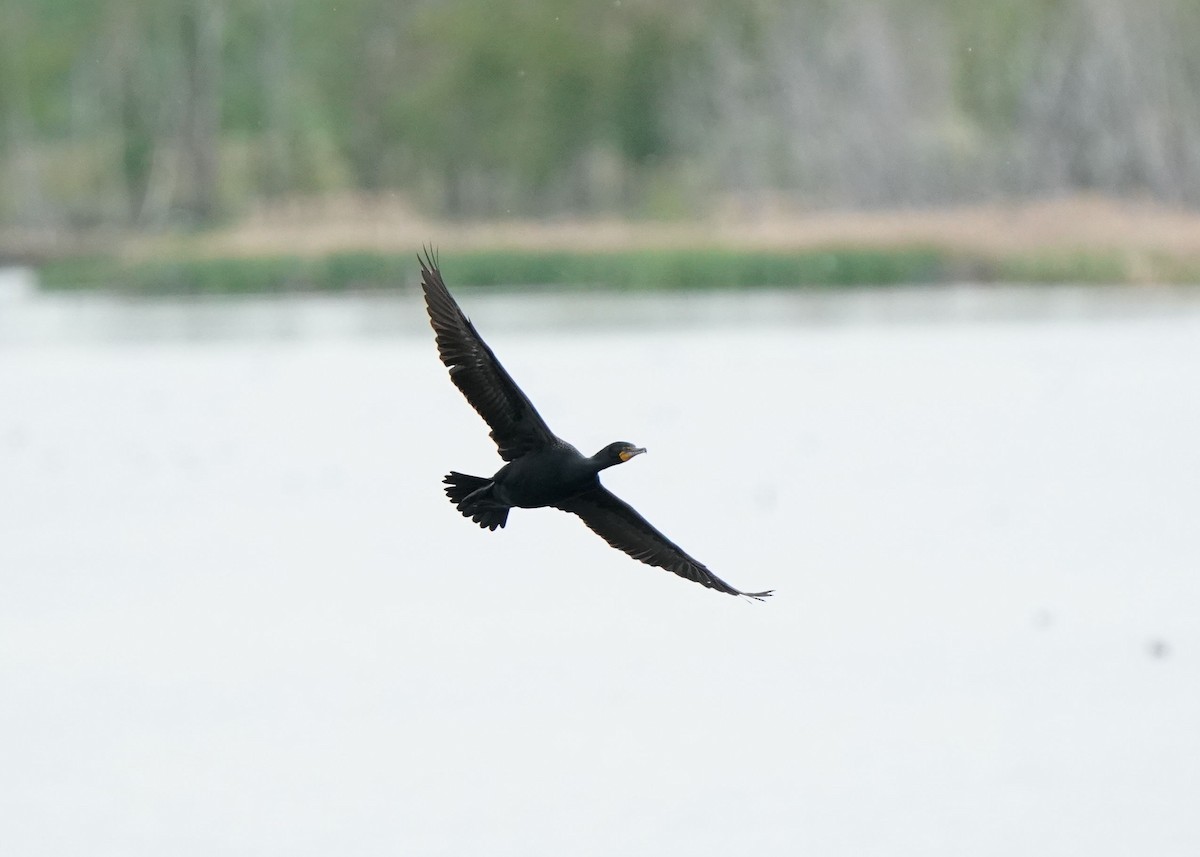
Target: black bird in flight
542,469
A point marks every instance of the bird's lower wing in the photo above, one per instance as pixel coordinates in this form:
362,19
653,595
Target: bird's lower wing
621,526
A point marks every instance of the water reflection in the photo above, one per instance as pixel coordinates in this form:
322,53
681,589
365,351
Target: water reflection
30,316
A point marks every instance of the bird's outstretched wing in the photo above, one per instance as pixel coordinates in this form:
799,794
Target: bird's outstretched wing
517,427
621,526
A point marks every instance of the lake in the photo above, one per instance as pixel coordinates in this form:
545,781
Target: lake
237,615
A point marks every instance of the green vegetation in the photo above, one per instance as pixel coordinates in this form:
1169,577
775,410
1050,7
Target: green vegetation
1060,267
695,269
338,272
647,269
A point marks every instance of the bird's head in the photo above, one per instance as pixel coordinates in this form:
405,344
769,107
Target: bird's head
617,453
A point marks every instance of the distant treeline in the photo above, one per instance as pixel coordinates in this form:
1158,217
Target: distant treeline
185,112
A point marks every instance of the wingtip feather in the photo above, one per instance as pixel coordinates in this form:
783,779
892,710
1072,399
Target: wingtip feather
428,257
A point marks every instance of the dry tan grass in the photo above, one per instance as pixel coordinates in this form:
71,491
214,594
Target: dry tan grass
1076,223
388,224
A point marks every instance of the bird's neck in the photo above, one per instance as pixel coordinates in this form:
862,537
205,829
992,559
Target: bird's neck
599,462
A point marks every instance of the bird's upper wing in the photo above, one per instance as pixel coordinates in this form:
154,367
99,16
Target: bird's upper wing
621,526
517,427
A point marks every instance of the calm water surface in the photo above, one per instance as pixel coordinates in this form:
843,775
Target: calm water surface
237,616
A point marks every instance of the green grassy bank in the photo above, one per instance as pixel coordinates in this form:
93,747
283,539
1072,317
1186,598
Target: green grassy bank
642,269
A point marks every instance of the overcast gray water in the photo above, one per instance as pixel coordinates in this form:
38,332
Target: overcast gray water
237,615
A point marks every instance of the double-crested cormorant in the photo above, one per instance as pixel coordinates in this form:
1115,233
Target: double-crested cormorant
542,469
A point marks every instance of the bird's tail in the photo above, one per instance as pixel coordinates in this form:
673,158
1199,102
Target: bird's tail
472,495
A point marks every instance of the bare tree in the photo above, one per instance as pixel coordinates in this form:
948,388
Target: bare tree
1114,106
201,28
24,198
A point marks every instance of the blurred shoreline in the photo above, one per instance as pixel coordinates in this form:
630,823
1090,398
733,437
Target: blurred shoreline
368,241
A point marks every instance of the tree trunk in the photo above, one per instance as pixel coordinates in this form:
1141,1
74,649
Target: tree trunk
202,27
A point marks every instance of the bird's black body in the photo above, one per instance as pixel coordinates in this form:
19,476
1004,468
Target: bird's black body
541,469
547,476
